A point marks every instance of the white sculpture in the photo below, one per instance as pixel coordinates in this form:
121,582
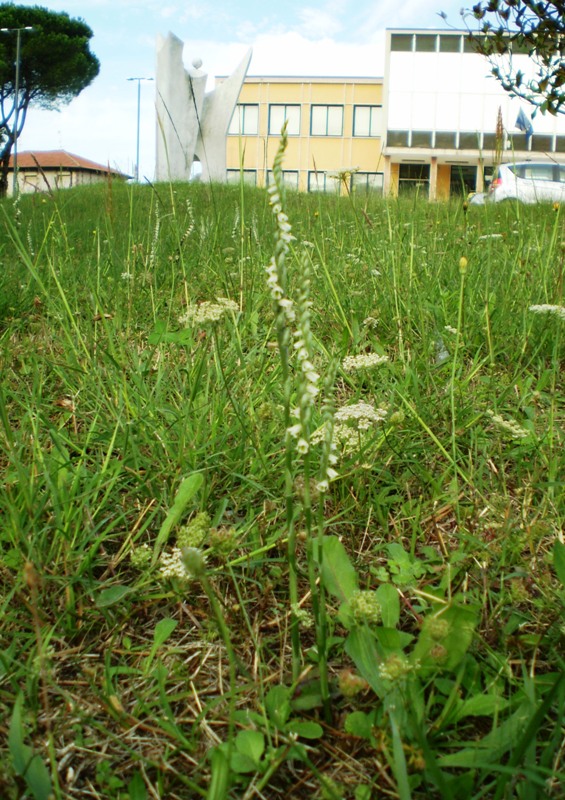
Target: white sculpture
190,122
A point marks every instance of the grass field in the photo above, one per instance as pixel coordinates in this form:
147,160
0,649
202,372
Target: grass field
282,500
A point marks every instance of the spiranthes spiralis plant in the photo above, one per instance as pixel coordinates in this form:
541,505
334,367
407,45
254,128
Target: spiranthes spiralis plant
301,381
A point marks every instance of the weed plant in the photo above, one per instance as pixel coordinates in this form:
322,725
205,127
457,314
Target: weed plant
282,499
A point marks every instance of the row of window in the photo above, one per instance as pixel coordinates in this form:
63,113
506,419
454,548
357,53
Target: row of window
317,181
474,140
325,120
444,43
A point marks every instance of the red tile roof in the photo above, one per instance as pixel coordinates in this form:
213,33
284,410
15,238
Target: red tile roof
59,159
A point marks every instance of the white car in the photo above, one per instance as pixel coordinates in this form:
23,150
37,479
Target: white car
528,182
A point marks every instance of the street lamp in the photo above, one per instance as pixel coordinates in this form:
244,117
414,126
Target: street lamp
18,32
138,120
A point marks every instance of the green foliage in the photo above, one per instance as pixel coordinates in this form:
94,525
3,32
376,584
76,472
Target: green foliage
27,764
528,27
429,571
55,65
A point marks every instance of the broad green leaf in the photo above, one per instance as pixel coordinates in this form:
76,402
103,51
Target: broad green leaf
251,744
277,705
481,705
305,729
445,637
25,763
186,491
136,788
559,560
359,724
361,646
242,764
392,640
163,630
389,600
219,780
492,747
338,573
38,779
400,767
20,752
112,595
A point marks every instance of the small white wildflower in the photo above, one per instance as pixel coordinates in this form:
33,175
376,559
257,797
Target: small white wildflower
127,276
295,430
547,308
302,616
323,486
302,446
490,236
371,322
172,566
206,312
449,329
363,361
509,426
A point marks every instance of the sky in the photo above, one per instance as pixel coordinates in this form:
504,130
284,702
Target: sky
294,37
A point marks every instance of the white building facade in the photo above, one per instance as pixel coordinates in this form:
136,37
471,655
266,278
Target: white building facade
448,120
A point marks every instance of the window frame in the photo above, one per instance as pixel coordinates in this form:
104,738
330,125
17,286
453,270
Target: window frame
326,106
239,115
285,106
373,110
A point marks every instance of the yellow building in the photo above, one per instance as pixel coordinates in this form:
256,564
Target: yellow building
334,126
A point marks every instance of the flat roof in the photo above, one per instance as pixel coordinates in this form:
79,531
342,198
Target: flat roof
306,79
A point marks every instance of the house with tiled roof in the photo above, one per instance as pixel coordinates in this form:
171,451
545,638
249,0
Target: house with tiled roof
47,170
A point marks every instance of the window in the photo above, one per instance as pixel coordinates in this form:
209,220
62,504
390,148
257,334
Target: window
397,138
367,120
326,121
413,177
322,182
469,140
249,176
542,142
367,182
279,114
538,172
448,43
445,139
245,120
463,179
426,43
421,138
401,42
290,178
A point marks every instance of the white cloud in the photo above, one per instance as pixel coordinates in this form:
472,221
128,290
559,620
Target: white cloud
318,24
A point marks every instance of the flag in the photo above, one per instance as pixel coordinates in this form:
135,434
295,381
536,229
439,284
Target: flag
524,124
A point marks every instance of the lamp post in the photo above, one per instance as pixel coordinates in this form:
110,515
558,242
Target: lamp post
138,122
18,32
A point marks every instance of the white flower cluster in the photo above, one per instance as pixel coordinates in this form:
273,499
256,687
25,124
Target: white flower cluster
308,388
360,416
490,236
547,308
451,330
349,425
172,566
363,361
509,426
206,312
182,564
371,322
283,225
396,667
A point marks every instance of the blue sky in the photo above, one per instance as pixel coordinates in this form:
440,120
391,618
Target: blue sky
300,37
